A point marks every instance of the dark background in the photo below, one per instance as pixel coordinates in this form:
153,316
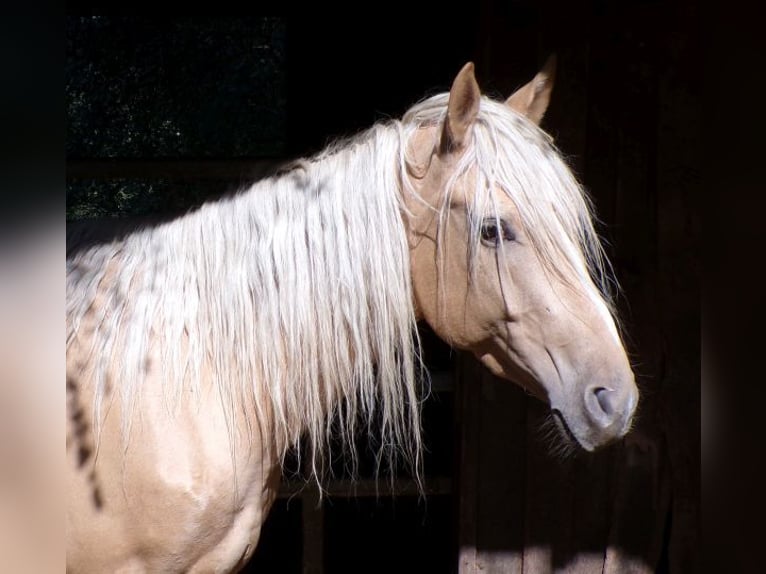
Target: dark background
163,114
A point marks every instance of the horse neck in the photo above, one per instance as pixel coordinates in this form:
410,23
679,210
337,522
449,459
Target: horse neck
310,292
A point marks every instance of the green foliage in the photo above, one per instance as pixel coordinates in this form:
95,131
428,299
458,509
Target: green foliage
94,199
138,87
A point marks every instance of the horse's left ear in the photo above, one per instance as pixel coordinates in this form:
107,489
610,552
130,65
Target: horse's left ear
532,99
462,109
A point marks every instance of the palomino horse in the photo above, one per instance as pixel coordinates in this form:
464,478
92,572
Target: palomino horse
201,349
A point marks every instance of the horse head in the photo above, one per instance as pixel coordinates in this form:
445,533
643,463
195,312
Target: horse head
505,260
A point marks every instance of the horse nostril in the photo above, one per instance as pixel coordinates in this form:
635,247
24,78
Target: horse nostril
604,397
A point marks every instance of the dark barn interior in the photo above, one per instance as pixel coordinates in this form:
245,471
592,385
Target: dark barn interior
165,114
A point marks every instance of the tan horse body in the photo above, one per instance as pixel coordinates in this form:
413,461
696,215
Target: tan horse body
187,484
176,500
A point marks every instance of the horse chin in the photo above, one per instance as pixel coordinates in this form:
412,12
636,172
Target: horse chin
567,434
575,431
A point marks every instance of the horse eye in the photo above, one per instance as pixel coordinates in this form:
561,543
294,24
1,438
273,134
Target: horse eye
492,233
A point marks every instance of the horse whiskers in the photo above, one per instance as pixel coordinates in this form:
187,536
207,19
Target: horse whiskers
559,444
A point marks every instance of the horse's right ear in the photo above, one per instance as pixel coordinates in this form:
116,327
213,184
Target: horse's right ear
462,109
532,99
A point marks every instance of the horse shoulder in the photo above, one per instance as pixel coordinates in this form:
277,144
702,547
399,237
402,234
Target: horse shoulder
179,495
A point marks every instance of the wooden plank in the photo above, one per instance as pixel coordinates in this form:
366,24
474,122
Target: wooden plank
469,423
502,465
313,532
548,518
346,488
507,46
563,31
589,514
639,509
679,225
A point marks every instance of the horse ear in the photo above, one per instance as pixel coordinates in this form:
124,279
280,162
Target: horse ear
532,99
462,109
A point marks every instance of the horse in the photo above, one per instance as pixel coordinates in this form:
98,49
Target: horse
202,349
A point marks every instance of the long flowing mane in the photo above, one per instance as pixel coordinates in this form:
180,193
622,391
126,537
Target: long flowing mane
295,295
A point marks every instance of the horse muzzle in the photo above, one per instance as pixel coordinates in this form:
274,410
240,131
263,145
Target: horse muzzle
605,415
